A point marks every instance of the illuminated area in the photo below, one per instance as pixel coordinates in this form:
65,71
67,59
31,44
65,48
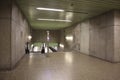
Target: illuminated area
68,57
29,37
46,49
61,45
50,9
36,49
69,38
37,46
30,59
54,20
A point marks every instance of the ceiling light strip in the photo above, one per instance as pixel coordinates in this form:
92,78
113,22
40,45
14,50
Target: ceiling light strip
49,9
54,20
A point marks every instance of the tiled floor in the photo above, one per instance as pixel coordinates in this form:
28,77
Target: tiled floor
63,66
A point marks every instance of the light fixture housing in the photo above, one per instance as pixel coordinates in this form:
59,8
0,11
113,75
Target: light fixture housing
50,9
54,20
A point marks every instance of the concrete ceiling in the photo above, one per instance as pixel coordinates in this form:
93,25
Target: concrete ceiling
74,10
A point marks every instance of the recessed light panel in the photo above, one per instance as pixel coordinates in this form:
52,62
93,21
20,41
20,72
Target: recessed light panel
50,9
54,20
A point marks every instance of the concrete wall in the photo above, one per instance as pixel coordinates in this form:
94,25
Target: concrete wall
62,40
77,37
80,35
98,36
19,33
102,36
13,34
69,44
5,47
41,36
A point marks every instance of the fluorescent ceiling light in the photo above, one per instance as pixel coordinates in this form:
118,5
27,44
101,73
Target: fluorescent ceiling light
54,20
50,9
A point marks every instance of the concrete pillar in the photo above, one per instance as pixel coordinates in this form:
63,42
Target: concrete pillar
117,36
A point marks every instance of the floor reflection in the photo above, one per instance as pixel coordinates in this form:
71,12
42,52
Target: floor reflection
62,66
68,57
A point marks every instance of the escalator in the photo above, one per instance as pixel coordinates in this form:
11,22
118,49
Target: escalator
52,49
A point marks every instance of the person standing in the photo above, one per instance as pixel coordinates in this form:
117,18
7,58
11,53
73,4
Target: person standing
27,51
43,50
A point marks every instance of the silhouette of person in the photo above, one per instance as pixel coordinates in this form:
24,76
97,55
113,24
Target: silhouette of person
27,48
43,50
